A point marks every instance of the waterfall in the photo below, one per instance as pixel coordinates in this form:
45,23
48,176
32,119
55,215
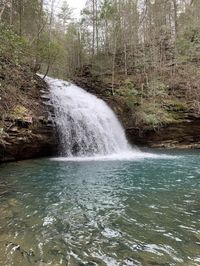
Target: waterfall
86,125
88,129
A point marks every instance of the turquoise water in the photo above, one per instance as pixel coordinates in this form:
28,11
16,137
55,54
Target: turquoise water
142,212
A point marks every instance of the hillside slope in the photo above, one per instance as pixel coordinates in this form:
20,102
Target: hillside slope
164,114
25,128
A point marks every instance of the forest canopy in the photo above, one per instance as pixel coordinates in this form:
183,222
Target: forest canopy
135,34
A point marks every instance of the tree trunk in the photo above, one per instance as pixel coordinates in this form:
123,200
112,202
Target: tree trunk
11,12
125,60
20,16
97,30
47,70
175,18
93,28
2,10
113,64
41,26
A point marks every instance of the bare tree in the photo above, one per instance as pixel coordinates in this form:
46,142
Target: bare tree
3,6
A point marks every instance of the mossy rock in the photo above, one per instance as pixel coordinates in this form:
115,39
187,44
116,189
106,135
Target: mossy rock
175,105
19,112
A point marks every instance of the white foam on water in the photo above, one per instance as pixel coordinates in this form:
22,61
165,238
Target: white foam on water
129,156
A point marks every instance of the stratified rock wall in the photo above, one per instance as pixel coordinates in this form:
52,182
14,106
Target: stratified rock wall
32,133
184,135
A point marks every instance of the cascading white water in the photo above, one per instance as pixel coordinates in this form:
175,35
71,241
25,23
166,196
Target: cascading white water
87,126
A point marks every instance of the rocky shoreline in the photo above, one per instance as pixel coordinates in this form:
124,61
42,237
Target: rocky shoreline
19,143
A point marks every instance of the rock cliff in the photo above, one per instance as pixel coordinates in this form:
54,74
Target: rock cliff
26,129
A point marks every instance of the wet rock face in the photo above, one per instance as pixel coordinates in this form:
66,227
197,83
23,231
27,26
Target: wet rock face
28,144
33,136
184,135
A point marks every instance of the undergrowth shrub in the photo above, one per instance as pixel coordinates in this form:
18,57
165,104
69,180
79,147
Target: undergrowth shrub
12,46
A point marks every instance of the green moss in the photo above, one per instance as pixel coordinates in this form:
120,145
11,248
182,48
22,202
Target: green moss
153,115
177,105
19,112
156,88
129,93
